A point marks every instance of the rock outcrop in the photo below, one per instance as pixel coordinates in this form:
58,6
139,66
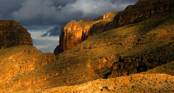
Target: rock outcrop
142,10
71,35
13,34
76,32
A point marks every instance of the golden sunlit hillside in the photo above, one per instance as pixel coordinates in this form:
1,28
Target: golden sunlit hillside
129,57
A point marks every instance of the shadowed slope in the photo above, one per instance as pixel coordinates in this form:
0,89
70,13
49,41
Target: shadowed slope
13,34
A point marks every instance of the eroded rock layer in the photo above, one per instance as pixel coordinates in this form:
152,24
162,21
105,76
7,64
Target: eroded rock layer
13,34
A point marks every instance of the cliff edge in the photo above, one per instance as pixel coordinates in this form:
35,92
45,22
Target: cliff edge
13,34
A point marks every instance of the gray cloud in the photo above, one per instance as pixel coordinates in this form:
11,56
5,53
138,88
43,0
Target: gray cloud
34,10
47,12
56,31
7,7
45,44
51,12
94,7
63,2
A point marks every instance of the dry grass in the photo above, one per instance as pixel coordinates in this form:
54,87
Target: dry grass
167,68
148,83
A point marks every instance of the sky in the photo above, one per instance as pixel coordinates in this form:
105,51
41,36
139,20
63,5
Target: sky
40,17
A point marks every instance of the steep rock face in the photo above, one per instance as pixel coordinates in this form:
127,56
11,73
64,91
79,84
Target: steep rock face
76,32
71,35
13,34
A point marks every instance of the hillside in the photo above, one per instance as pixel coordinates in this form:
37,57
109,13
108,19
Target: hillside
122,51
153,81
134,57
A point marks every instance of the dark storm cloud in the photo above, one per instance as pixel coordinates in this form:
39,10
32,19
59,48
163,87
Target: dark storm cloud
63,2
56,31
7,7
47,12
53,12
43,13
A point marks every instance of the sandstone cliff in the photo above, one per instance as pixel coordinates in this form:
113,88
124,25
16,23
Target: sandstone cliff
132,14
76,32
71,35
13,34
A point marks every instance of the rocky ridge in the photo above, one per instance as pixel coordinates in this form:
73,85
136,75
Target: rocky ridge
142,10
13,34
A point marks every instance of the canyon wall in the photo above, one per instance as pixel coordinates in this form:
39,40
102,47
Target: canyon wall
13,34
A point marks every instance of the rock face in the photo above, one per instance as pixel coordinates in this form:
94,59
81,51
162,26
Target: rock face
142,10
13,34
71,35
76,32
136,64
